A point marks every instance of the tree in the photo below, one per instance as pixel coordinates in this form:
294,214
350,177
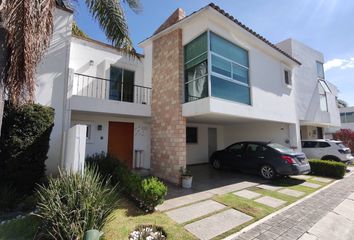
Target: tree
346,136
341,103
29,24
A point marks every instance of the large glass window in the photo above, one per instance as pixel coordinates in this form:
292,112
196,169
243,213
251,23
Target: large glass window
320,70
323,98
229,73
347,117
229,70
121,86
196,68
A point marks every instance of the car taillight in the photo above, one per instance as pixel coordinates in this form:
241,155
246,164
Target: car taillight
288,159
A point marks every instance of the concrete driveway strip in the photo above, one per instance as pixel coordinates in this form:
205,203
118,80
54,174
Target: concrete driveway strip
217,224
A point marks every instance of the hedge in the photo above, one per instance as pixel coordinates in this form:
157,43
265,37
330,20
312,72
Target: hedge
24,144
327,168
147,193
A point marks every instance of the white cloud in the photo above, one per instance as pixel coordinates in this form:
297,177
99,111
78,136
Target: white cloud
339,63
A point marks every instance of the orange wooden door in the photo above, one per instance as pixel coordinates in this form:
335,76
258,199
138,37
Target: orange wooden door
120,141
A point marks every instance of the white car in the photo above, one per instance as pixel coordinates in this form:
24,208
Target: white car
327,150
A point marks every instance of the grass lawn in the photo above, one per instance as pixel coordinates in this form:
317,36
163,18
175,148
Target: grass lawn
19,229
127,217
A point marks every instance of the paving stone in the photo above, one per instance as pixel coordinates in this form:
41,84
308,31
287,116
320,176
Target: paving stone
307,236
302,177
217,224
180,201
232,187
346,209
291,192
270,201
332,226
268,236
247,194
351,196
320,179
196,210
310,185
269,187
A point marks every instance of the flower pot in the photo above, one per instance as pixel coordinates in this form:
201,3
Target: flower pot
187,181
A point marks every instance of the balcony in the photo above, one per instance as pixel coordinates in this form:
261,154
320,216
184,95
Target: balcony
95,94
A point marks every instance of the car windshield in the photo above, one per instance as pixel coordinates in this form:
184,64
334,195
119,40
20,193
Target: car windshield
280,148
341,145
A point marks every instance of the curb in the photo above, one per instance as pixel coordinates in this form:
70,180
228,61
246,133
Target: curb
249,227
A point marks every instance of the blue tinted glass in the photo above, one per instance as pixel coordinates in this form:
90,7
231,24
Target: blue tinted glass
228,50
240,73
230,91
220,66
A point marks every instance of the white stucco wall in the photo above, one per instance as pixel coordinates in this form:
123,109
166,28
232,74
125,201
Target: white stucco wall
74,160
306,86
260,131
51,80
99,139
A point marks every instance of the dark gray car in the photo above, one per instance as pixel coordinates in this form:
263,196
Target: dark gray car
267,159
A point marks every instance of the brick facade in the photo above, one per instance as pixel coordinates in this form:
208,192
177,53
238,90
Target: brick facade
168,126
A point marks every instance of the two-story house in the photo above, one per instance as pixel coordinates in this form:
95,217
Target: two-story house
204,82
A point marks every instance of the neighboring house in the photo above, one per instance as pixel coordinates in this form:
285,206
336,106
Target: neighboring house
347,117
205,81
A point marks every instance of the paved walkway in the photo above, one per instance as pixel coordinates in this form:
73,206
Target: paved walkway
328,214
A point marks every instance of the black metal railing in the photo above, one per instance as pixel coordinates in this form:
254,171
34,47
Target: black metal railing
101,88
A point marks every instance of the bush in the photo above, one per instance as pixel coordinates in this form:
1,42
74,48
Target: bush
146,192
74,203
24,144
328,168
346,136
9,198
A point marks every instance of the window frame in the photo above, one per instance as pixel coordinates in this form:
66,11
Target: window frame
121,83
290,76
188,141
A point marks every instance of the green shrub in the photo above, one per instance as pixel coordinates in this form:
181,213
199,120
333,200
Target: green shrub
146,192
328,168
73,203
24,144
152,192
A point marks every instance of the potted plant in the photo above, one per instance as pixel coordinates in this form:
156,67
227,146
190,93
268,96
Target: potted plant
187,177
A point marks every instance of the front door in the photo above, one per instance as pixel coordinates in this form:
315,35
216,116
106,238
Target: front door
120,141
212,145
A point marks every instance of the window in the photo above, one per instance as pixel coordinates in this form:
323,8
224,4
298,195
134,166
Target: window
323,145
347,117
229,70
322,90
196,68
287,77
121,86
88,132
320,71
192,135
309,144
237,148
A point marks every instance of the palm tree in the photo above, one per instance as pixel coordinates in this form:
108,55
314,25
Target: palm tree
29,25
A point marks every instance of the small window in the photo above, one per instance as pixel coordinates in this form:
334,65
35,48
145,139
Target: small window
320,70
323,145
88,132
237,148
287,77
192,135
309,144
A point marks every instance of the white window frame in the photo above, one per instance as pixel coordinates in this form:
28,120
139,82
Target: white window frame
290,75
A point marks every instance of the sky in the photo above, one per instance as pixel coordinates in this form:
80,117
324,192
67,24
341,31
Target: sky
325,25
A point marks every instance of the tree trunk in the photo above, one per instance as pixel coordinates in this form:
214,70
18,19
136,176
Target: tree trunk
2,70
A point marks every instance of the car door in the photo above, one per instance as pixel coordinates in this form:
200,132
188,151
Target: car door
233,155
253,157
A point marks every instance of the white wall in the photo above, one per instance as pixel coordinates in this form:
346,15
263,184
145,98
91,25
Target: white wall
75,149
306,86
198,152
262,131
99,139
51,83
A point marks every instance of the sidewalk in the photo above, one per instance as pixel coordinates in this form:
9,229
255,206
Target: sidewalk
328,214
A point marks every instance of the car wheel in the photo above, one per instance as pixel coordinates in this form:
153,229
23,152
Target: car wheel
217,164
268,172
